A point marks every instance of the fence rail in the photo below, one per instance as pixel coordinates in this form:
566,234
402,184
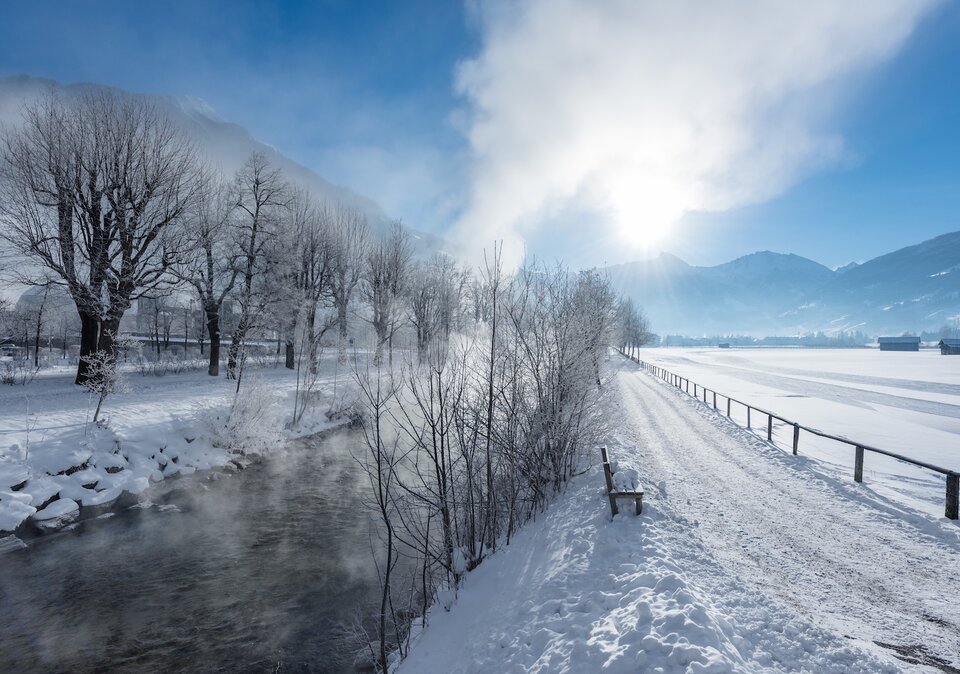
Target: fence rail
952,507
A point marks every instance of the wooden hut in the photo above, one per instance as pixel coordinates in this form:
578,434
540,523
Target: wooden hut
949,347
899,343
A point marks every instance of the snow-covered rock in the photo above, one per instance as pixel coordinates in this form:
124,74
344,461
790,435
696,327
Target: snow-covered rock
14,509
58,514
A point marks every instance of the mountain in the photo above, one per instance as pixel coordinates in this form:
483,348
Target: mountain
748,294
912,289
221,143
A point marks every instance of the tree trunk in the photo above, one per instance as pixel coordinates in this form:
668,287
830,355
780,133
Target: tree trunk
311,336
213,329
36,340
342,328
289,361
107,341
89,334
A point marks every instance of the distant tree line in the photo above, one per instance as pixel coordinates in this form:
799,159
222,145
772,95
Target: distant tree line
818,339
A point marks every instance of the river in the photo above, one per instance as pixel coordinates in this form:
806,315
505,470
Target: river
257,571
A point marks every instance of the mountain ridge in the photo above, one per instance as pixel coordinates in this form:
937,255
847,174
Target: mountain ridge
763,293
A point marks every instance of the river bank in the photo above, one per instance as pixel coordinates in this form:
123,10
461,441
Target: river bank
57,466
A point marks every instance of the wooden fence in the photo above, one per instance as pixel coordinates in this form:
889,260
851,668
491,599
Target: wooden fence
702,393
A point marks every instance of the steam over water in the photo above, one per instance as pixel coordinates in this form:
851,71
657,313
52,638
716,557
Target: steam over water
254,572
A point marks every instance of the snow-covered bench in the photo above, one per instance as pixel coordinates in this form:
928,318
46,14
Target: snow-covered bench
621,483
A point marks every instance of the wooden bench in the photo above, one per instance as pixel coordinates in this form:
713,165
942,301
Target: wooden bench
636,494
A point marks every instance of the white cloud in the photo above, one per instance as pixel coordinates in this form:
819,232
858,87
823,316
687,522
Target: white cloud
641,112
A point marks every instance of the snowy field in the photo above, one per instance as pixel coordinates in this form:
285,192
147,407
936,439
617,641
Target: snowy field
907,403
54,460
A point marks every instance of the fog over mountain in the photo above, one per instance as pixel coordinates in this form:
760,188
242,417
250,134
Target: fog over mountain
223,144
912,289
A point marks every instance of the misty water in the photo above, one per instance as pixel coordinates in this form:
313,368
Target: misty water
253,572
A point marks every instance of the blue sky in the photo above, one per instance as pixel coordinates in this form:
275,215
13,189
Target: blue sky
368,94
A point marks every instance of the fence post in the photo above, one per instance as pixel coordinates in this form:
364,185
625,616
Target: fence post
728,408
695,390
714,400
748,416
953,497
769,428
796,438
858,465
688,387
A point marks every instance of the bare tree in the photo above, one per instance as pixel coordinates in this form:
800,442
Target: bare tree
293,287
380,465
211,263
349,241
435,295
423,299
260,195
93,189
387,266
317,252
634,328
493,272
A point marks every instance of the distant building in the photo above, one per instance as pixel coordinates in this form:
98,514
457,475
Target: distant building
949,347
899,343
724,345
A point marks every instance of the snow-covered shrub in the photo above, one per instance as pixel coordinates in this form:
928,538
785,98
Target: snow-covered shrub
17,372
253,422
104,379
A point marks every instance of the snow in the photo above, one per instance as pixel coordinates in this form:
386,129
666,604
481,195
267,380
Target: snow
576,592
903,402
745,559
60,508
626,479
163,427
14,510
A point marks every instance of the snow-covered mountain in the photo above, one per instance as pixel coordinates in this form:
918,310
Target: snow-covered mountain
749,294
915,288
222,143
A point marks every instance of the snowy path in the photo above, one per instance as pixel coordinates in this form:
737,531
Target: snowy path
833,550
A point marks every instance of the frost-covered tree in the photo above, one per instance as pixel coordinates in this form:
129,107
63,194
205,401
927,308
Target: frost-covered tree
435,297
317,252
493,420
633,327
94,188
385,273
210,264
261,196
293,285
349,241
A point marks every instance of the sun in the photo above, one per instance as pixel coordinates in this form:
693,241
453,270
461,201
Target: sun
645,213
